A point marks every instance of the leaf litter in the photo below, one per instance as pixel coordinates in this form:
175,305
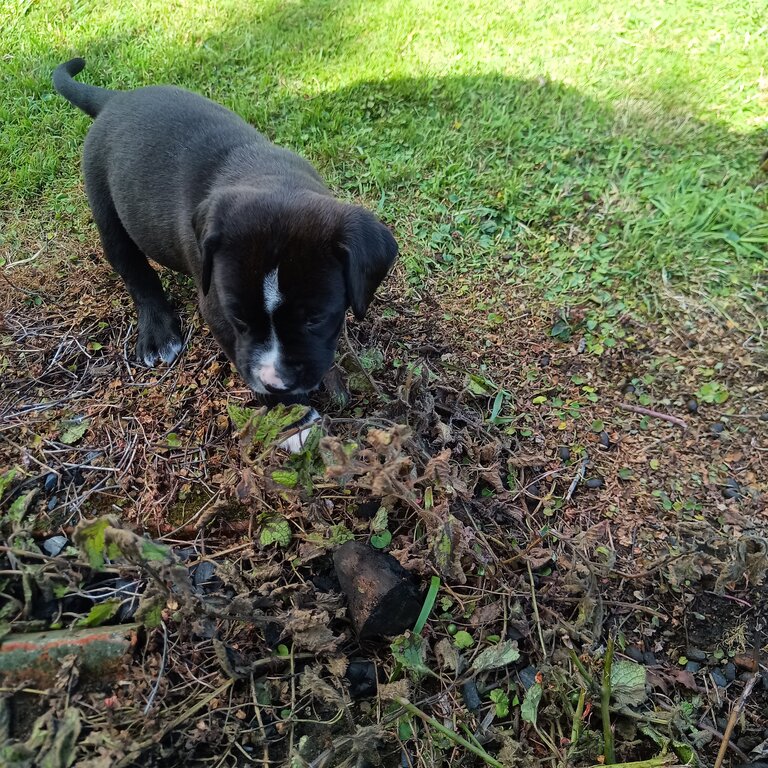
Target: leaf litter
179,513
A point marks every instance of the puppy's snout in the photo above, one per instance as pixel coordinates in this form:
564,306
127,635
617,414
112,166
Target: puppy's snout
271,379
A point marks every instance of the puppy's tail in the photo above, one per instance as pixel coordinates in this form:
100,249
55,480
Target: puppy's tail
89,98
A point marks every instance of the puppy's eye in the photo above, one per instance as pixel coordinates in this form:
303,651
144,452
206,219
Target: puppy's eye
240,325
313,321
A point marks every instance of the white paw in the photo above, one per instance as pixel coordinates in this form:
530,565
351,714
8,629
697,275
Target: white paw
295,443
170,351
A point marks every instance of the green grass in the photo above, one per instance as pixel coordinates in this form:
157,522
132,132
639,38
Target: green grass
597,149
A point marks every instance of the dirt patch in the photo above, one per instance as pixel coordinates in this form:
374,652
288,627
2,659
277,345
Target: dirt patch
519,467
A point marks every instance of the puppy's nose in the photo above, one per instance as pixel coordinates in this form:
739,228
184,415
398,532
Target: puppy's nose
270,379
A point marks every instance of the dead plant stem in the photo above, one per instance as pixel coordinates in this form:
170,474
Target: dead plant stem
734,716
448,733
605,703
536,611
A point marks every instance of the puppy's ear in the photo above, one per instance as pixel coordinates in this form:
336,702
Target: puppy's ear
208,240
369,250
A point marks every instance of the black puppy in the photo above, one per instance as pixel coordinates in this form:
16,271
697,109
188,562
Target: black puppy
277,260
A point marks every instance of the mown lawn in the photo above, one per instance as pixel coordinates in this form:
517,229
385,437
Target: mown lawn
600,151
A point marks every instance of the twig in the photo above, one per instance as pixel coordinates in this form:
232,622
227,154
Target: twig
654,762
578,478
447,732
536,611
743,756
605,703
735,712
160,672
655,414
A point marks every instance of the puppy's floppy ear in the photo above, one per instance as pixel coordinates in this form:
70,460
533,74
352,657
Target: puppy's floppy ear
368,252
208,240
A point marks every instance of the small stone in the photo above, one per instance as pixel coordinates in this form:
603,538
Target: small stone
51,482
367,510
564,452
745,677
628,389
717,428
732,489
696,654
650,659
693,406
718,678
361,675
634,653
527,676
764,416
595,482
53,503
605,441
747,743
54,545
692,666
203,573
545,360
471,695
513,633
729,671
533,495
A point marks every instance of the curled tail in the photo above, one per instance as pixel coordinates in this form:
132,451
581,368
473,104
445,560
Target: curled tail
89,98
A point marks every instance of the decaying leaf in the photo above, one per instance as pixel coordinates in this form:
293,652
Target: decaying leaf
72,430
409,651
628,683
312,684
400,689
100,613
497,656
447,654
529,709
275,531
310,631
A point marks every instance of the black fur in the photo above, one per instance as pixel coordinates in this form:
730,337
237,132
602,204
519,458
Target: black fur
175,178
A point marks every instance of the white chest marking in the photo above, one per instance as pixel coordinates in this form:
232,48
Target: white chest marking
266,366
272,297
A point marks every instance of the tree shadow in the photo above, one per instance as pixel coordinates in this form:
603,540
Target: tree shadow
476,168
466,168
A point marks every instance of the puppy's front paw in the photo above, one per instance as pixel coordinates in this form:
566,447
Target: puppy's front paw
296,442
159,339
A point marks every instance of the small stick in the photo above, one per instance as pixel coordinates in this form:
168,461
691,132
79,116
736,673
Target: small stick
654,762
536,611
452,735
656,414
735,712
605,703
578,478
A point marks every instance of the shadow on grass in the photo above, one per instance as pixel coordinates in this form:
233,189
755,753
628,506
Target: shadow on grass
589,198
488,169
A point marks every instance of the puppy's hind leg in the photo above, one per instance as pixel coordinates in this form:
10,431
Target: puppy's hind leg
159,328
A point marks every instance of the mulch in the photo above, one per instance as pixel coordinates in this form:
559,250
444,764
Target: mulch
512,465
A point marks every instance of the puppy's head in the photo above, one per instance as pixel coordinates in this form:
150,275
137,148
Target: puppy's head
285,268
